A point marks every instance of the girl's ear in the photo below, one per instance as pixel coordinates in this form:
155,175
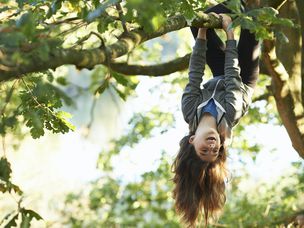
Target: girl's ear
191,139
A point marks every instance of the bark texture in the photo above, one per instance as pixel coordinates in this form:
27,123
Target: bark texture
283,62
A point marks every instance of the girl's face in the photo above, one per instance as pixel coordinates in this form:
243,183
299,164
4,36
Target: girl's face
206,142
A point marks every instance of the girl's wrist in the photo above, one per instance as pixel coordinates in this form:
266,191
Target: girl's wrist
230,35
202,33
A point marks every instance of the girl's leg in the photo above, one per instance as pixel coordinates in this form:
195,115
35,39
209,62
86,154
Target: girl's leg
215,55
249,51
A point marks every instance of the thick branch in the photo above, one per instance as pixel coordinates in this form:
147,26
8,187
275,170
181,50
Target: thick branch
300,5
170,67
263,97
290,111
294,219
90,58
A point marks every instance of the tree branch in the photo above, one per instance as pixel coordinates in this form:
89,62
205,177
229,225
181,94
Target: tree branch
300,5
262,97
178,64
287,107
89,58
120,13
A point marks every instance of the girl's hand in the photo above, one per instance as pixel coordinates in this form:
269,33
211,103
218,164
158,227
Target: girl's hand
202,33
226,24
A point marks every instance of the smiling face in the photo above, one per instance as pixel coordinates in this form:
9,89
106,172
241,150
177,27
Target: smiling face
207,143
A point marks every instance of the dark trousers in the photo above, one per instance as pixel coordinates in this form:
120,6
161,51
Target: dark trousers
248,51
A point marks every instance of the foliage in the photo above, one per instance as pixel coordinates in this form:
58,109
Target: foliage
5,177
122,85
110,203
26,218
149,202
269,204
11,219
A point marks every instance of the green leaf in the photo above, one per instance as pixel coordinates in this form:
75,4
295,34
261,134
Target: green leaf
3,9
120,93
12,40
5,169
62,81
20,3
3,188
282,37
27,24
55,6
61,115
16,189
100,10
25,221
32,214
104,24
6,216
12,222
104,85
120,78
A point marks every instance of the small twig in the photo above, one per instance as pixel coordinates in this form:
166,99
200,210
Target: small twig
71,19
8,98
120,13
11,15
279,7
264,96
113,97
79,25
3,145
87,37
92,112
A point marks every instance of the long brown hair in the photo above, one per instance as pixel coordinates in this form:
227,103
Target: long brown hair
198,184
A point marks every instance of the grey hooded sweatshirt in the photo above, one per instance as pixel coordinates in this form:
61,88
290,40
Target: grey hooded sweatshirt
231,96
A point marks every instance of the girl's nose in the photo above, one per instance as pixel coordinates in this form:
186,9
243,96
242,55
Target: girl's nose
211,145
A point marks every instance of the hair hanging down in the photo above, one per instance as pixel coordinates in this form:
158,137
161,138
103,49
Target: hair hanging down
198,184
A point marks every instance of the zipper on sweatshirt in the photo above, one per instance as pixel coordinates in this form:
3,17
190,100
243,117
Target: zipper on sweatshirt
218,105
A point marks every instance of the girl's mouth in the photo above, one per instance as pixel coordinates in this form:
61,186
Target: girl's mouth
211,138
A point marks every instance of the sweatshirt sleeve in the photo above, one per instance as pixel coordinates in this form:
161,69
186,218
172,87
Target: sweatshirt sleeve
192,92
233,92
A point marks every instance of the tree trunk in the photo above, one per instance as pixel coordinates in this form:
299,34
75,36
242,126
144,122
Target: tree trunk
284,65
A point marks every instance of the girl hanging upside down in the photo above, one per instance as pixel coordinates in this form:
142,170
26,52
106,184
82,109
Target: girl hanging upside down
211,112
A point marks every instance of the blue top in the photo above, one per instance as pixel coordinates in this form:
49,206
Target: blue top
210,107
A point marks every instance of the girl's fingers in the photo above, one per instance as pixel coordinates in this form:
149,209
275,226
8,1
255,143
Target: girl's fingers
214,14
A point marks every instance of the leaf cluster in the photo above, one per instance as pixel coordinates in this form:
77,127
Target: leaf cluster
36,102
103,79
6,184
26,216
147,202
269,205
39,106
264,23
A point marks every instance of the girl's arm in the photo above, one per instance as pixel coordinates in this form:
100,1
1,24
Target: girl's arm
192,93
234,95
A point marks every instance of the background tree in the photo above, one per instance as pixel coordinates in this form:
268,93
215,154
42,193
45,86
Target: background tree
106,37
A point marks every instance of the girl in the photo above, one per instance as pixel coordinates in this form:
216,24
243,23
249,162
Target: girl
212,112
